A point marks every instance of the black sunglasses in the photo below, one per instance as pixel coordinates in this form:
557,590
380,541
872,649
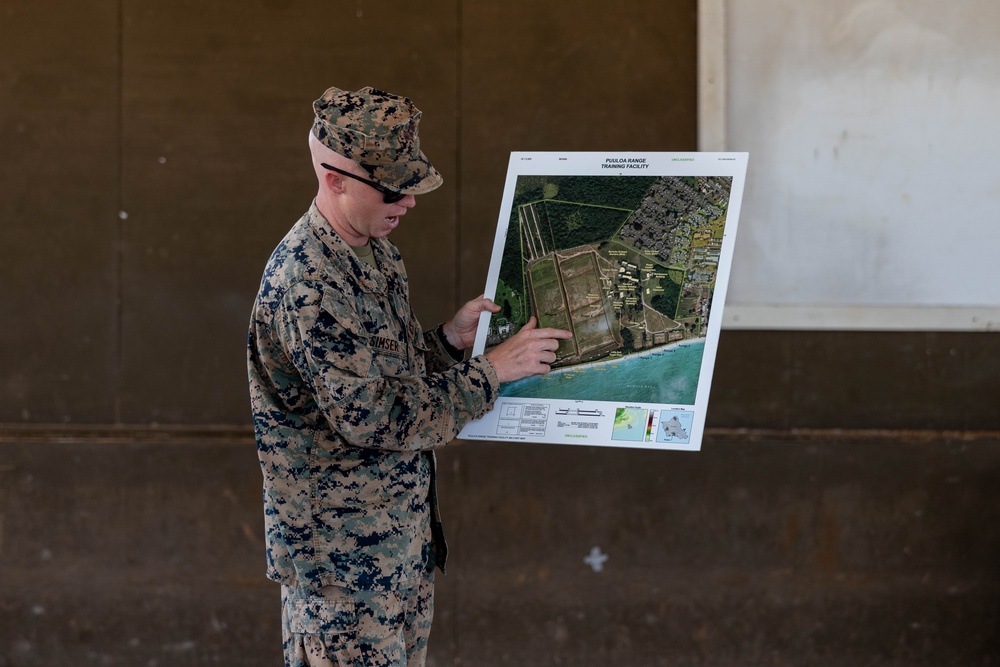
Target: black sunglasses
388,196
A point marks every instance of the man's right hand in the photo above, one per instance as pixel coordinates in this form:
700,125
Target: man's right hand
528,352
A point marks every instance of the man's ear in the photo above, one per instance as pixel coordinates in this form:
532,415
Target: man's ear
334,182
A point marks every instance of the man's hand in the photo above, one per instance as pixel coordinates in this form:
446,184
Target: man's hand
528,352
461,330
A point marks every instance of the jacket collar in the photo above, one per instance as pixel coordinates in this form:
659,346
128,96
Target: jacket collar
344,260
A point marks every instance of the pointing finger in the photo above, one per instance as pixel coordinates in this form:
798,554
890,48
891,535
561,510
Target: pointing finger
553,333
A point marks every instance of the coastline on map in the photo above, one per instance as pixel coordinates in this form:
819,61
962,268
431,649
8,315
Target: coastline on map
662,349
668,374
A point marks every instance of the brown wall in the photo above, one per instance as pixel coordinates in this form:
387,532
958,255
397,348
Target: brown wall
875,550
154,153
154,159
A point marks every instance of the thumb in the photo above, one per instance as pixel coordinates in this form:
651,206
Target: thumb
531,324
487,304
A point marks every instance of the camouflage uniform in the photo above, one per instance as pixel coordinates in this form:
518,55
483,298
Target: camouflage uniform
349,397
357,628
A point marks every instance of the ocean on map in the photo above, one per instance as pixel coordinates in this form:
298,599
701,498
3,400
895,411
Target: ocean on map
663,375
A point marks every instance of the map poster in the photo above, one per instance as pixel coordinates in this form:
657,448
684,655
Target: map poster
632,253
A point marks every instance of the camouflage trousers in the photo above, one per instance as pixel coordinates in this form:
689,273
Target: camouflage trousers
337,627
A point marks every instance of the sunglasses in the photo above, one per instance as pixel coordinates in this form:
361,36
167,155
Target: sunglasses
388,196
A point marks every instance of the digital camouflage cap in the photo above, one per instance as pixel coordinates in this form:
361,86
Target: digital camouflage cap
378,131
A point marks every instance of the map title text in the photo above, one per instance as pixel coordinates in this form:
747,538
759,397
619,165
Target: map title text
625,163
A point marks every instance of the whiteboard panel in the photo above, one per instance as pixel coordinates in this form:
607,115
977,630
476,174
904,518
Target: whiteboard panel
873,183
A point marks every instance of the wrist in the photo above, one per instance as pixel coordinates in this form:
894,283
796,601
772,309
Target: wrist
449,336
449,341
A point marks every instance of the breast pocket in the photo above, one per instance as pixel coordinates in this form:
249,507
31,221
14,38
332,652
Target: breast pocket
389,358
386,340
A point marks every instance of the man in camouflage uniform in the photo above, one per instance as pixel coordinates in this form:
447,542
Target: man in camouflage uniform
350,396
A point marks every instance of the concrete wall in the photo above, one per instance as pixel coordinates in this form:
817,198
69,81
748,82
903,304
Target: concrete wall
154,153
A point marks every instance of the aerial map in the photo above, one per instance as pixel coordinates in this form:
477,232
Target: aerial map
626,264
629,259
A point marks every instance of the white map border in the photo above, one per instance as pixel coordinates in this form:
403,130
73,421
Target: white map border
589,422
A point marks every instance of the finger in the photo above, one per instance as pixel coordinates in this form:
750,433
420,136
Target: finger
547,344
476,305
482,302
554,333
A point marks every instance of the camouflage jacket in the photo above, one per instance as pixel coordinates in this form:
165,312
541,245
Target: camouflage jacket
349,399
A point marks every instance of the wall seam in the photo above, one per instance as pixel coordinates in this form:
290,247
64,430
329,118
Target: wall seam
457,531
457,298
120,221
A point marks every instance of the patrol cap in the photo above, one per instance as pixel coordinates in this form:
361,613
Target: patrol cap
378,131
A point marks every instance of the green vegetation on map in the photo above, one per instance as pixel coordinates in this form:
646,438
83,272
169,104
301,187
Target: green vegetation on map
627,416
628,263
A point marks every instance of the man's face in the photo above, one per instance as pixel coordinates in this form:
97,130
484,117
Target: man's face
367,215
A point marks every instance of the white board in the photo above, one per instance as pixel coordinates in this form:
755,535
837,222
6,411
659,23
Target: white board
873,200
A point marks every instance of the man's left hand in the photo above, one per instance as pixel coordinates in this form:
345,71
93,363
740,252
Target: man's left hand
461,330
